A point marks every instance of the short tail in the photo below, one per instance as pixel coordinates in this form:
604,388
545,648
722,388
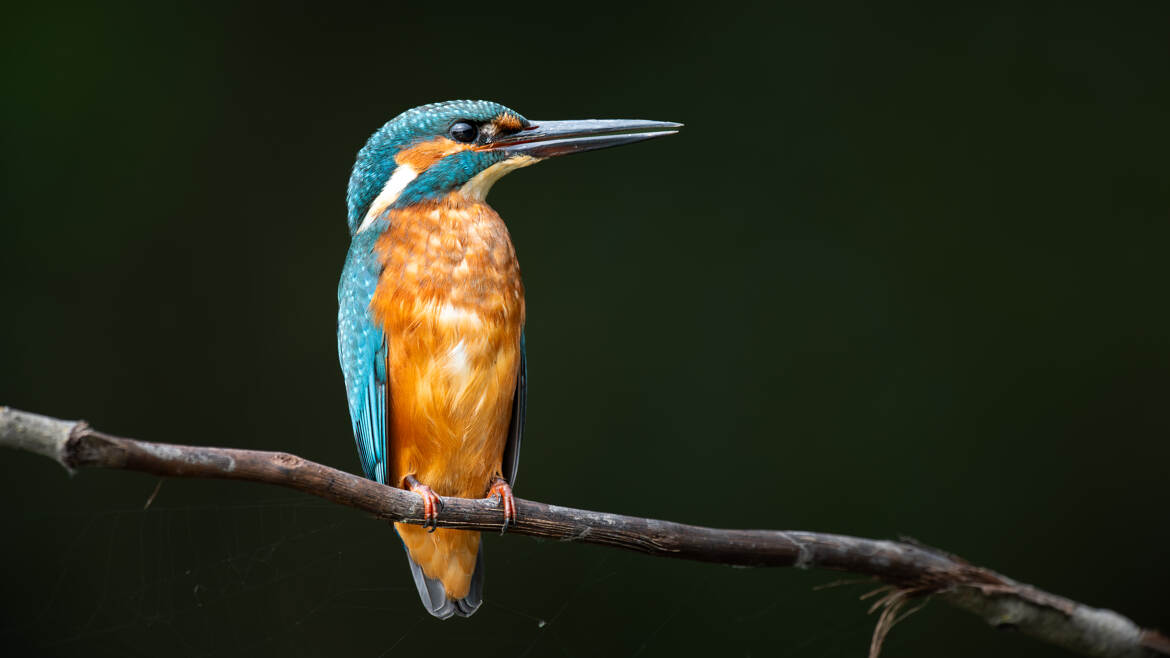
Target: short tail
434,595
447,558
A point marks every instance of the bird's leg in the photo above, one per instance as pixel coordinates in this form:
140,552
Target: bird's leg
500,489
432,503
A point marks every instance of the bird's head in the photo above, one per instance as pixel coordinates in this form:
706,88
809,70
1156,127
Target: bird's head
463,147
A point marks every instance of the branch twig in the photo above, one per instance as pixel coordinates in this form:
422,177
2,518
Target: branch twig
911,570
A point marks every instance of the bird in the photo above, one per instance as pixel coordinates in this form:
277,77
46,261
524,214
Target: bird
431,312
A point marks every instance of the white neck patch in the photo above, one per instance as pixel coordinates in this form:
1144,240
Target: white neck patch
477,188
389,194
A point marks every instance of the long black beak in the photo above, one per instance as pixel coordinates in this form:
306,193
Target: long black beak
544,139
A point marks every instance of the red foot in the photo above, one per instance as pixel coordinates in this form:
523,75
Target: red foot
432,503
501,490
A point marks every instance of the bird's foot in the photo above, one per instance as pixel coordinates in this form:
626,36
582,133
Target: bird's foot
501,490
432,503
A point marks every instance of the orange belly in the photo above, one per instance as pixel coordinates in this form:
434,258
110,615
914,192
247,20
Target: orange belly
452,307
450,407
449,414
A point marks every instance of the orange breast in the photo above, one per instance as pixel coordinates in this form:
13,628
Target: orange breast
451,304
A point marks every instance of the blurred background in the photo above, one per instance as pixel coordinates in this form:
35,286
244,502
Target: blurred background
904,272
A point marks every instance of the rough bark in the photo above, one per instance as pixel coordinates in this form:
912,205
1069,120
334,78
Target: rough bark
908,571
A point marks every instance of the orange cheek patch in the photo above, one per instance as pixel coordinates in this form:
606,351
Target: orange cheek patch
421,156
508,123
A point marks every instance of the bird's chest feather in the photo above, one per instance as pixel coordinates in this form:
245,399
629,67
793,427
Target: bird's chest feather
451,303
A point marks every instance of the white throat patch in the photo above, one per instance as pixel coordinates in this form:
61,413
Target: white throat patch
389,194
477,188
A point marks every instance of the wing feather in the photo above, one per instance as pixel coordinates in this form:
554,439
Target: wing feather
361,347
516,426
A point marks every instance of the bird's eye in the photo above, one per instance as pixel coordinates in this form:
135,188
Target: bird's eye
464,132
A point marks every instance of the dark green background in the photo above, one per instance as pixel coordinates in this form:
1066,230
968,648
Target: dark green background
903,272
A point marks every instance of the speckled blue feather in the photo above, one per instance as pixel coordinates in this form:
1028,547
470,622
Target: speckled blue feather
361,348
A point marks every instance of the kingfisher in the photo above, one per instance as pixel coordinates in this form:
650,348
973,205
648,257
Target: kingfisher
430,326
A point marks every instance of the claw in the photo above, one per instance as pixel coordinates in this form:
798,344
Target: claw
432,503
503,492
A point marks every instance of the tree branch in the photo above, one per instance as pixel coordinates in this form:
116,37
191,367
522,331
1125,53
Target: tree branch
909,570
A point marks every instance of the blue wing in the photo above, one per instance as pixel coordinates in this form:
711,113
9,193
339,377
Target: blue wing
516,426
361,347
